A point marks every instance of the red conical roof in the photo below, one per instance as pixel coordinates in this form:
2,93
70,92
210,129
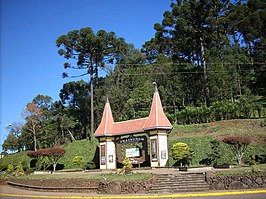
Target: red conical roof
156,120
107,122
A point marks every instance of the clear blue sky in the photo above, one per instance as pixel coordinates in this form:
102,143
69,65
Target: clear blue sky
29,63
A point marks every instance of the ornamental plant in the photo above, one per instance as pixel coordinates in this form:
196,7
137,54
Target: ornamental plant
19,170
181,153
238,145
127,168
79,161
52,154
10,168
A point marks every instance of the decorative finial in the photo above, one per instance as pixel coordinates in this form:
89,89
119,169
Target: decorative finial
155,85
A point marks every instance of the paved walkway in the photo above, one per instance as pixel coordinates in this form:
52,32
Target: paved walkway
157,170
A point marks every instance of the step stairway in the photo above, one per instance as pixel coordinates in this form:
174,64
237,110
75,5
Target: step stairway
179,182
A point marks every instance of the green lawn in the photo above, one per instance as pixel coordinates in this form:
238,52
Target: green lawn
253,170
197,136
80,175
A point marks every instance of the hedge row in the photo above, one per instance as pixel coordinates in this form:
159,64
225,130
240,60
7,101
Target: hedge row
244,108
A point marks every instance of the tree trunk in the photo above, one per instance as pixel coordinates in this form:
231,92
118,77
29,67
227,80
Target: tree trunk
54,166
34,140
71,135
92,112
205,73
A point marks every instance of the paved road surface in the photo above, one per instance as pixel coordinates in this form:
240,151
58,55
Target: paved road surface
8,192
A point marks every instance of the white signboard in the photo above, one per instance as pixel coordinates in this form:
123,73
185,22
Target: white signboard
132,152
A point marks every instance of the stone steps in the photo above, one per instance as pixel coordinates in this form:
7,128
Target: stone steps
172,183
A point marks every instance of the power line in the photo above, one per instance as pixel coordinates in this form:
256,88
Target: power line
144,64
189,64
50,16
128,74
187,72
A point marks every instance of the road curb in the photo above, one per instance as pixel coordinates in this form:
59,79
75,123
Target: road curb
175,195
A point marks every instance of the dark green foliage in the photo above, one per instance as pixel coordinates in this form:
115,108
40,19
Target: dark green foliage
46,157
201,155
238,144
90,165
74,115
87,149
245,107
214,157
15,159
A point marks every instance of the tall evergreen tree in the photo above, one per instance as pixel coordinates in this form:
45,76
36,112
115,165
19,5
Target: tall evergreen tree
90,51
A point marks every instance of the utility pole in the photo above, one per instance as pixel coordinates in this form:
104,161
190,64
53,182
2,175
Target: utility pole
92,106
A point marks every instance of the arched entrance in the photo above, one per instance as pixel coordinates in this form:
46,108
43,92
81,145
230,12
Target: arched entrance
113,137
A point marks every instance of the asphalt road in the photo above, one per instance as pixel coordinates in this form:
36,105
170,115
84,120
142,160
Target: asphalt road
8,192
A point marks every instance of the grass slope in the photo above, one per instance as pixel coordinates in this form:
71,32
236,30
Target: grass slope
197,136
84,148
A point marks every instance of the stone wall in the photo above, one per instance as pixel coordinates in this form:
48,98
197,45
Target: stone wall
124,187
236,182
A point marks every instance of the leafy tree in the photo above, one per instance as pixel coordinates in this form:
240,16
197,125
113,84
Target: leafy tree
74,95
238,144
181,152
216,154
33,116
52,154
90,51
13,141
188,30
41,160
43,102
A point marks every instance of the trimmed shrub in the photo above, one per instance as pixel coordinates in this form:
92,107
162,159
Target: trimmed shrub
52,154
181,153
79,161
238,145
10,168
19,170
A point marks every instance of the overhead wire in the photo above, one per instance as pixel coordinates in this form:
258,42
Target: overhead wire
50,16
130,66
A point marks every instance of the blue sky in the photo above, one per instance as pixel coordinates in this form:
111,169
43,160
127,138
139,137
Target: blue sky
29,63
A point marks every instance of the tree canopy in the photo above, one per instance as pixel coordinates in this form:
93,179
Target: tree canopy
91,51
207,58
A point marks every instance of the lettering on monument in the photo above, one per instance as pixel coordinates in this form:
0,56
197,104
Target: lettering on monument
133,147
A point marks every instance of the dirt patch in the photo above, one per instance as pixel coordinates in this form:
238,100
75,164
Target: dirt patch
80,185
57,183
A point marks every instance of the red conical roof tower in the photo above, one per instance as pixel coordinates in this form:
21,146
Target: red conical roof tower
107,122
157,118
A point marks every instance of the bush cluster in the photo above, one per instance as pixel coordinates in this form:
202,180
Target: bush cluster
46,157
244,108
207,151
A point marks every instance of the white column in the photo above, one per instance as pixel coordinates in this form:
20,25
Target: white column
107,153
163,148
158,148
111,154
